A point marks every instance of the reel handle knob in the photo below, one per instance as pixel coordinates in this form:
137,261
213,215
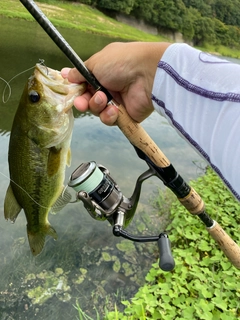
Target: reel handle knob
166,261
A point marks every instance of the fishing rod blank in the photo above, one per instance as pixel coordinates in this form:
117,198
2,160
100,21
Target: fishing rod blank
63,45
143,144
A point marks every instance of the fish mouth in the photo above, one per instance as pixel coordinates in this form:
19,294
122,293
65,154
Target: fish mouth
54,84
52,78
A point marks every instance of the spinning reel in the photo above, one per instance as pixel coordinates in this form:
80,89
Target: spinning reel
103,199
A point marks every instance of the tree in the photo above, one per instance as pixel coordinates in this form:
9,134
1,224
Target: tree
221,31
143,9
124,6
227,11
168,14
188,25
165,14
233,36
202,6
204,31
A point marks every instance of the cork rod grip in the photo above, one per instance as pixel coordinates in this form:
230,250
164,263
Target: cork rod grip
192,202
135,133
195,205
227,245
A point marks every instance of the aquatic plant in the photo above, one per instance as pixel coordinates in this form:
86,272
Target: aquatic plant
82,315
46,285
204,284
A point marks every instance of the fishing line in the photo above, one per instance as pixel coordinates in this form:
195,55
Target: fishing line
23,190
42,62
44,207
66,196
7,86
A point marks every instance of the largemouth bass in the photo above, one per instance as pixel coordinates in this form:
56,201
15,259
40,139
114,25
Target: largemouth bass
39,150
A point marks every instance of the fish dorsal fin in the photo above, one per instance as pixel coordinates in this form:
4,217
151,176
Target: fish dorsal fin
37,240
11,206
64,198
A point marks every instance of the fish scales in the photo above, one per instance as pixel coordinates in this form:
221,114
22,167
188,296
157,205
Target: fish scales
39,150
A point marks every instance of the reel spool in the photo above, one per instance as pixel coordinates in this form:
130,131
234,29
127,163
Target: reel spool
104,200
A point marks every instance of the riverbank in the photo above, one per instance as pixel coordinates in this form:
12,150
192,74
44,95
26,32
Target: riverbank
87,19
78,16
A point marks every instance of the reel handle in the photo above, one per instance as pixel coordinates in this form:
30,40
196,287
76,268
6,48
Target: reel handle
192,201
166,261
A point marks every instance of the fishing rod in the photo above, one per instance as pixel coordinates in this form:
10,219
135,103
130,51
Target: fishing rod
108,202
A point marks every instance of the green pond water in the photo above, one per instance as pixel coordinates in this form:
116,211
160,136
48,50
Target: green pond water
87,263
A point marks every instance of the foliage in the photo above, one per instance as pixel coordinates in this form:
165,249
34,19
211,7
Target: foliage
82,315
204,284
124,6
187,27
227,11
196,19
203,7
202,22
78,16
204,31
164,14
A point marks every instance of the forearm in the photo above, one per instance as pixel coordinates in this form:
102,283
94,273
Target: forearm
200,96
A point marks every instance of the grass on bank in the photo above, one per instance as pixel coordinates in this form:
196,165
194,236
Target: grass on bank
87,19
221,50
204,284
77,16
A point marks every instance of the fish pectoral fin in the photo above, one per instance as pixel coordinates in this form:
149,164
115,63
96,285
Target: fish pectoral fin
37,240
11,206
69,157
54,161
64,198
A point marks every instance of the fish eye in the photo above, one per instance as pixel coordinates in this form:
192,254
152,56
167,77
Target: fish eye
34,96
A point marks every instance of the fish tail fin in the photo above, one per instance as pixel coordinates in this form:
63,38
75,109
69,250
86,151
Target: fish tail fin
37,240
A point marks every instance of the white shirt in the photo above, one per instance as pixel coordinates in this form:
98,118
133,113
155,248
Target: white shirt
199,94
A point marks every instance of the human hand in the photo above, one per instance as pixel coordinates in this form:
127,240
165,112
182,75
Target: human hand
127,71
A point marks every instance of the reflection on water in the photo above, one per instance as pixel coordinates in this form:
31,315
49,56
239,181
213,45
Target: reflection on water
86,264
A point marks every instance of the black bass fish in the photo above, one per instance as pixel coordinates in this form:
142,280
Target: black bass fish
39,150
